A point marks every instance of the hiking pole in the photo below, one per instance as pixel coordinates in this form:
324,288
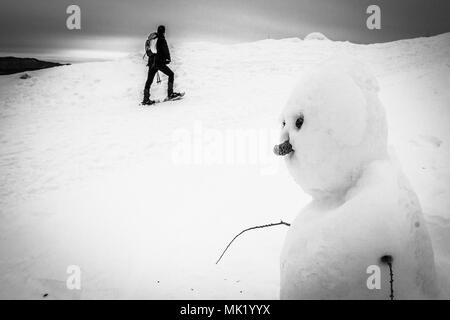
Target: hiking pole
158,79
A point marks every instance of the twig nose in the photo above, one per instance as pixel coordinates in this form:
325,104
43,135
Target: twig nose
283,148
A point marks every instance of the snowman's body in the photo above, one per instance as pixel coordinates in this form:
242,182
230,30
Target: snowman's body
363,207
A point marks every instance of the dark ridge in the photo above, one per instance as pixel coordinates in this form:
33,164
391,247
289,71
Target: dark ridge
11,65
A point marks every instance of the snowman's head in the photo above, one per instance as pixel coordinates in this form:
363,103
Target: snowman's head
332,126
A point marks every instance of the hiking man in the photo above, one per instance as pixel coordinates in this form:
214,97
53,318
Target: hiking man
158,58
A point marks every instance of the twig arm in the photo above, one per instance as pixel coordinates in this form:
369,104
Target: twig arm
252,228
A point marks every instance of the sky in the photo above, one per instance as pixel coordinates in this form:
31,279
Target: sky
108,26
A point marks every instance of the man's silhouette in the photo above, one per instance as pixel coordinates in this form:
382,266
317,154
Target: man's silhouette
158,61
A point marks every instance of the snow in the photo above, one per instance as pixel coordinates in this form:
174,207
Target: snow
363,207
333,242
331,149
89,177
316,36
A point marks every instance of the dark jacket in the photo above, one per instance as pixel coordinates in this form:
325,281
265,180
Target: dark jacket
163,54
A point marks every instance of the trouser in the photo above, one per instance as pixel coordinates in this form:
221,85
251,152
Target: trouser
151,74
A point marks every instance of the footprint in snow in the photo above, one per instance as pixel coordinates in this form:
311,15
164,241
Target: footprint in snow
434,141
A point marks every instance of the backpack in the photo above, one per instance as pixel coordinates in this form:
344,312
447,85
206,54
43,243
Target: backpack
150,44
150,51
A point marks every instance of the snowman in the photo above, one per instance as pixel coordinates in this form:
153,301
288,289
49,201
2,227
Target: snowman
334,142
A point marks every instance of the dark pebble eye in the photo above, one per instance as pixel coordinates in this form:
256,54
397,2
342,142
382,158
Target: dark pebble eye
284,123
299,121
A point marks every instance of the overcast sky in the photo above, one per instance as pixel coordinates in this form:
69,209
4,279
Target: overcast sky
32,26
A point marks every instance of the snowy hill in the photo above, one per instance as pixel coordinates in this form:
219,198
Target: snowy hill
90,178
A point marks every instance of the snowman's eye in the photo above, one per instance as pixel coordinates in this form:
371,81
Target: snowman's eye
284,124
299,121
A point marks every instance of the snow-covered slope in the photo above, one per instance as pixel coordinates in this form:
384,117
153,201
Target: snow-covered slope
90,178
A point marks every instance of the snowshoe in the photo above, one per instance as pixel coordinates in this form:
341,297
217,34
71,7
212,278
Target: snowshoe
174,96
148,102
